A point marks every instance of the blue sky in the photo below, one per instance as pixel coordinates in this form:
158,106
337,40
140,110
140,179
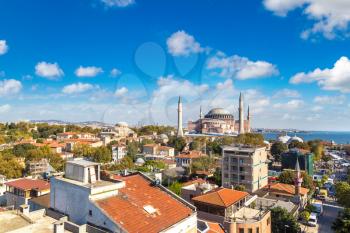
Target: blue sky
128,60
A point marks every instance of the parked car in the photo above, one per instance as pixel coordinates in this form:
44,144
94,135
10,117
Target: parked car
313,219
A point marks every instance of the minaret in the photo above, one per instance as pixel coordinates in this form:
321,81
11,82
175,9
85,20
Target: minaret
298,179
241,117
200,112
180,132
248,120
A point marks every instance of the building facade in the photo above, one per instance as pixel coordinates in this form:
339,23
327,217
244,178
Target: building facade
221,121
305,160
244,165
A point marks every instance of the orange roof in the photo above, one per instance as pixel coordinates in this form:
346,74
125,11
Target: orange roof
196,181
221,197
128,208
215,228
193,154
286,189
29,184
151,145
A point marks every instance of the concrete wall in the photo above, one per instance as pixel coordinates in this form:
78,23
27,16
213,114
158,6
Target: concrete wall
70,199
75,172
14,200
99,218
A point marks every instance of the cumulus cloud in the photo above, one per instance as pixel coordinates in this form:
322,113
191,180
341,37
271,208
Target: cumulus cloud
115,73
334,79
288,93
290,105
3,47
240,67
329,17
10,87
118,3
317,108
5,108
88,71
47,70
182,44
121,92
77,88
332,100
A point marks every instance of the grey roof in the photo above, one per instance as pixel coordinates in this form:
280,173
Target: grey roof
83,163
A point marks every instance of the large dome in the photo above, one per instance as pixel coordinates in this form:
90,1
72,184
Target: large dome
219,113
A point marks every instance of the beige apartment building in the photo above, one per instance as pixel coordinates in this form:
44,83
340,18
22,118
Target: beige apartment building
244,165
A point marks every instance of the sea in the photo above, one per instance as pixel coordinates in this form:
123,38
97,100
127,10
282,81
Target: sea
337,137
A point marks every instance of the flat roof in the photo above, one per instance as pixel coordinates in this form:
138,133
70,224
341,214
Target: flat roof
82,163
243,148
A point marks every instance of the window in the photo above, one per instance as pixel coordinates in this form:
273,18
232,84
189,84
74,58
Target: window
226,175
257,230
241,161
241,169
241,177
268,221
241,230
90,212
250,230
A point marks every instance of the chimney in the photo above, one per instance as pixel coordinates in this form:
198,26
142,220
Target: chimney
24,209
58,227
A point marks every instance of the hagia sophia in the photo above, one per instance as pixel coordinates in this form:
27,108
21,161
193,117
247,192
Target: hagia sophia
217,121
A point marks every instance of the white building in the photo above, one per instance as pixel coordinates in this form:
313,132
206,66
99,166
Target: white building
115,204
118,153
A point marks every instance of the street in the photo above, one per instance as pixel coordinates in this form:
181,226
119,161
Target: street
330,213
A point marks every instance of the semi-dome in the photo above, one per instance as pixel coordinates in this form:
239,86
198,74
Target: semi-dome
295,138
219,113
163,136
284,138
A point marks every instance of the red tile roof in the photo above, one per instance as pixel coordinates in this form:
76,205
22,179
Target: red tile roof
29,184
286,189
127,209
214,228
196,181
221,197
191,154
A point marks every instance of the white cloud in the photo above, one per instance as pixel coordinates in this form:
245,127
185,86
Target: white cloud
290,105
329,17
182,44
240,67
115,73
88,71
288,93
317,108
334,79
3,47
48,70
5,108
121,92
10,87
77,88
332,100
118,3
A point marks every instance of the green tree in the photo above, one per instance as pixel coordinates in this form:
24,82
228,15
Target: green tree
240,187
132,149
280,218
102,154
82,150
277,149
342,222
178,143
305,215
176,187
343,193
203,164
287,177
299,145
